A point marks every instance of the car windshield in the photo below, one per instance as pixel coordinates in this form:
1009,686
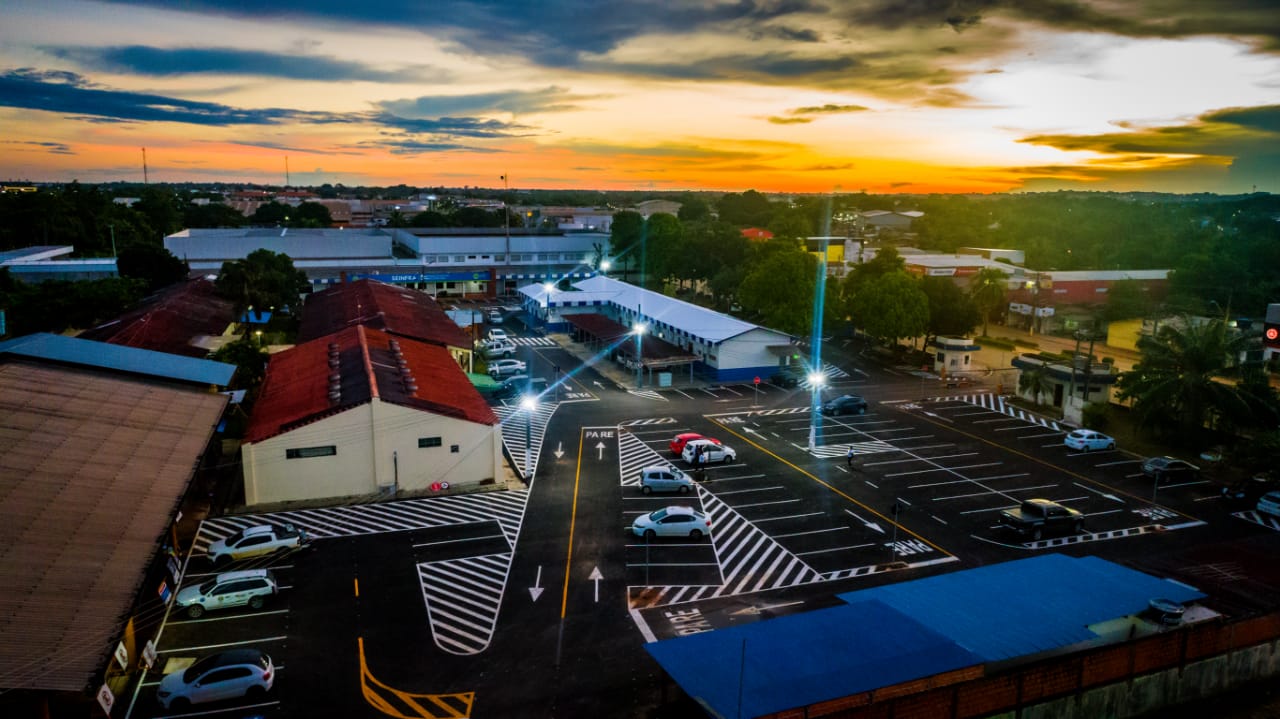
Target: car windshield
208,586
200,667
655,516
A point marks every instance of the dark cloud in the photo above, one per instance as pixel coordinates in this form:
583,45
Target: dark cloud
411,146
828,109
1235,147
782,32
670,151
56,148
790,120
67,92
167,62
516,102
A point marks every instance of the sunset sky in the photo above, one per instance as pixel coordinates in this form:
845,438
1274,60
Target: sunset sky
773,95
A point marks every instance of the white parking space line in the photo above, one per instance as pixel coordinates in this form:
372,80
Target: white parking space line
667,432
993,491
963,481
1184,484
762,504
943,469
1123,461
219,646
739,476
815,531
918,459
672,544
1019,428
788,516
834,549
455,541
970,414
1040,436
221,711
192,575
1107,511
687,396
997,419
744,491
1053,444
922,447
229,616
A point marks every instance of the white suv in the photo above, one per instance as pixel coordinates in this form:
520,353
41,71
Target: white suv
664,479
705,451
499,348
229,589
256,541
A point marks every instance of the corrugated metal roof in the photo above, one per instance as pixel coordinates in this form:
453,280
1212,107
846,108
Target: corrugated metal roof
380,306
1027,606
87,353
801,659
700,322
92,467
497,243
296,389
170,320
298,244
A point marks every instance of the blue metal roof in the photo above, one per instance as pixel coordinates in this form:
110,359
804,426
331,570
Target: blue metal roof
1026,606
805,658
88,353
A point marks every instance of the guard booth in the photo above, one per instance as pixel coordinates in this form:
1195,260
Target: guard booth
953,355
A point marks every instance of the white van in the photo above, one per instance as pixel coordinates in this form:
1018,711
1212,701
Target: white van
664,479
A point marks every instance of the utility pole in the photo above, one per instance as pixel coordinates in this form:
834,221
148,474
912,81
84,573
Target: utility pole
144,166
286,170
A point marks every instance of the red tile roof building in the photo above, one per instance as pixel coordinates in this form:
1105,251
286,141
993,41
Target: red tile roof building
174,320
377,305
361,412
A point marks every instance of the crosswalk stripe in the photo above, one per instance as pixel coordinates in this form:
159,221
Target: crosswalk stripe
648,394
638,422
532,341
462,598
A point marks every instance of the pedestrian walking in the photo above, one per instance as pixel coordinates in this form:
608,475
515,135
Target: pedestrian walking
849,457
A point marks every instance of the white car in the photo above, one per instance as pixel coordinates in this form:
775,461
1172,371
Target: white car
501,367
1087,440
256,541
226,675
495,317
707,451
497,335
228,589
672,522
664,479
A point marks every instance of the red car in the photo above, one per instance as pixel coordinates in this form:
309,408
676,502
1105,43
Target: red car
680,440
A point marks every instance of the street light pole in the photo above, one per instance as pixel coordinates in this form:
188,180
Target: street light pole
639,332
815,411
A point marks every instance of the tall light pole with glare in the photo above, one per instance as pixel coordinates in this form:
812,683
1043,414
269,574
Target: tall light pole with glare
816,380
639,330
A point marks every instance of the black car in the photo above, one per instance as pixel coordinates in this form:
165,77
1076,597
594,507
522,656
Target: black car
1168,469
845,404
787,377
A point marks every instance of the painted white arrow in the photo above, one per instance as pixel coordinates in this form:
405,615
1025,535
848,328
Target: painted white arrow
868,525
600,446
1111,497
596,576
536,590
559,450
597,383
935,416
763,608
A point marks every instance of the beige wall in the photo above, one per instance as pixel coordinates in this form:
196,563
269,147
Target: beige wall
377,447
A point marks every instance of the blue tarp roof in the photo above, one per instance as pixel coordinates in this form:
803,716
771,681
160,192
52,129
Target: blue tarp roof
88,353
805,658
1026,606
900,632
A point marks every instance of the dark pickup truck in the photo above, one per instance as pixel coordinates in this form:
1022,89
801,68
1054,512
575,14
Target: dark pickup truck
1037,517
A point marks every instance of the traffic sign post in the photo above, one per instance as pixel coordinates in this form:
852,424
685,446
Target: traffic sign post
756,383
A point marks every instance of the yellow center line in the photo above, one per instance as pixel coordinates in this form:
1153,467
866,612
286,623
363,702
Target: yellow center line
828,486
573,519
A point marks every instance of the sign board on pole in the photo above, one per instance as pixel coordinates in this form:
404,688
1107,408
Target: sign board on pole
756,380
106,699
122,656
149,654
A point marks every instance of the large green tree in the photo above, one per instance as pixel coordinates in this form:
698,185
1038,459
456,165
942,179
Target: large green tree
625,235
1176,385
779,290
951,311
749,209
988,288
891,307
665,253
263,280
154,265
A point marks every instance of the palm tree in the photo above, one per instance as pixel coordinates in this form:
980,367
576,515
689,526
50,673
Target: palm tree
988,289
1035,382
1176,382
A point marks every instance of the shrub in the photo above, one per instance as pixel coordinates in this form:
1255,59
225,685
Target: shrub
1096,416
